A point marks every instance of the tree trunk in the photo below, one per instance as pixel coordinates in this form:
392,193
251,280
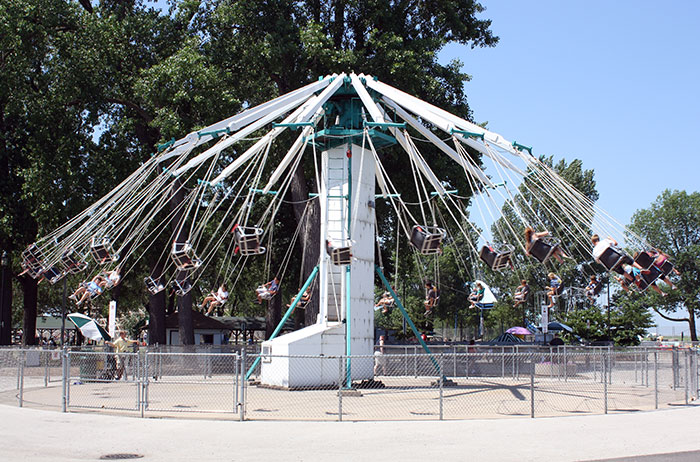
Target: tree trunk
274,315
184,303
691,324
184,315
156,310
6,304
310,236
30,289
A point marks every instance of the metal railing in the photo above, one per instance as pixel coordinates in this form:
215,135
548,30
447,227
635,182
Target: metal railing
399,382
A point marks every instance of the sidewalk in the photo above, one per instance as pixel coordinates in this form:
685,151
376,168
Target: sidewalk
36,435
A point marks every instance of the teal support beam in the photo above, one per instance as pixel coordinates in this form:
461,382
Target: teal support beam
384,125
213,133
348,318
466,133
498,185
407,318
164,146
387,196
450,191
294,126
260,191
286,316
522,147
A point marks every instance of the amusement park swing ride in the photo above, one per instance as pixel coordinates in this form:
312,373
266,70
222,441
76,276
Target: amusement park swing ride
343,122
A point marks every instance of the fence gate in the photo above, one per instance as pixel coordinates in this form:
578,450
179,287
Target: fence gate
92,380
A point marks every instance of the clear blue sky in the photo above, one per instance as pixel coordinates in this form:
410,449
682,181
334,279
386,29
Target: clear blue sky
613,83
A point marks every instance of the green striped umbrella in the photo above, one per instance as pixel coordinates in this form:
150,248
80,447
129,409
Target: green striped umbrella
89,327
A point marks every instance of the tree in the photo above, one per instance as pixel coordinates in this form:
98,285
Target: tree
89,89
273,47
672,224
537,205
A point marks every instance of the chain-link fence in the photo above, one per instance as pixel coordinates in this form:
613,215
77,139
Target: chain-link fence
396,383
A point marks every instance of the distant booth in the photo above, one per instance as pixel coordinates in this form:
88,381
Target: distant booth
207,331
220,330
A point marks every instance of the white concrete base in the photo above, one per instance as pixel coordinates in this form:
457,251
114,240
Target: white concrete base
283,363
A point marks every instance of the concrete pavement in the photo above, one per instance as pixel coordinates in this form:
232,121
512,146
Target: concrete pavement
40,435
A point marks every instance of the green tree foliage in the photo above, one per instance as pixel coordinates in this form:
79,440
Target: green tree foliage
89,89
539,211
672,224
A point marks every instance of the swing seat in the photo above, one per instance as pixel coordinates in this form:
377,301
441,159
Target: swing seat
645,260
73,262
53,274
543,248
32,258
497,257
340,253
153,286
613,258
598,288
427,239
102,251
666,269
648,278
248,240
184,257
181,287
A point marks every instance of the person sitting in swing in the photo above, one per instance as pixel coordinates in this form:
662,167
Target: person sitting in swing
385,303
268,290
531,237
215,299
634,275
89,290
476,295
554,288
601,245
591,288
431,296
662,258
305,297
521,293
112,278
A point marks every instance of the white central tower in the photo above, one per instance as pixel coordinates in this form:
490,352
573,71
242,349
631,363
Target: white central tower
345,322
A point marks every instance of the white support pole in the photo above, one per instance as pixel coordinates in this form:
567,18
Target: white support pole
226,142
301,115
246,117
378,116
423,130
446,121
299,144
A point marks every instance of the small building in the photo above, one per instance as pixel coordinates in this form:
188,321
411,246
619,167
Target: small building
207,331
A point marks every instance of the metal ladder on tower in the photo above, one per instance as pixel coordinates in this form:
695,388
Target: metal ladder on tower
336,206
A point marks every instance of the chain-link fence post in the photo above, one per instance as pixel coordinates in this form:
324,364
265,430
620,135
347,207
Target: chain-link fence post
674,366
566,366
532,386
241,404
656,379
234,379
441,375
64,378
143,383
605,373
22,358
46,367
687,376
341,379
